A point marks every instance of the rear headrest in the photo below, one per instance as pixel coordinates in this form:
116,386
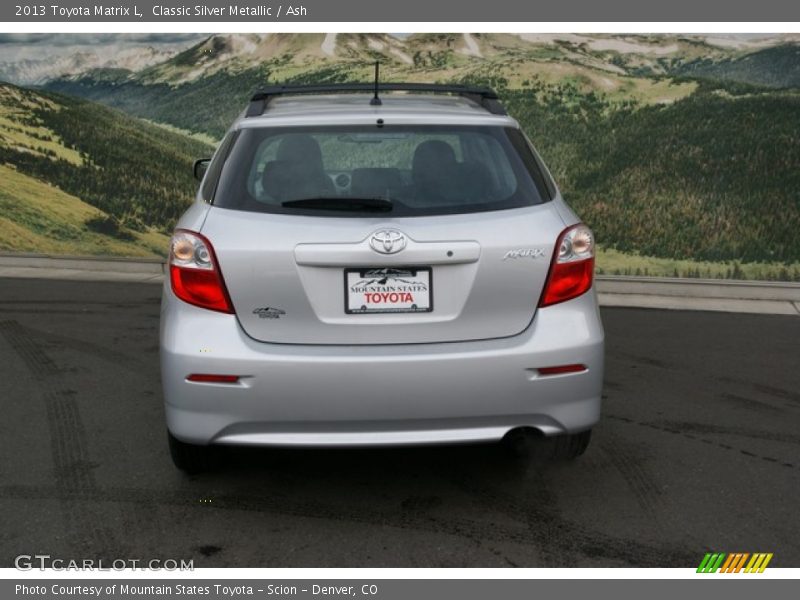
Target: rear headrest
300,148
431,160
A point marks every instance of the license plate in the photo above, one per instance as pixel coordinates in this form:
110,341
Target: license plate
388,290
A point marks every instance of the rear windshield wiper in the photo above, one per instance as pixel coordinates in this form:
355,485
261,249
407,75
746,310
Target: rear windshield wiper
341,203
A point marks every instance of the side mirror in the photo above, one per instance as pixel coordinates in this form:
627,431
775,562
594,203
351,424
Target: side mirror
200,168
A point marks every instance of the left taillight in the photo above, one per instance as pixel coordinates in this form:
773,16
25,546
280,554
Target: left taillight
194,272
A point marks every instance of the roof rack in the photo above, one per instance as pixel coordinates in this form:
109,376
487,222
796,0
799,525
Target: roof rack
485,97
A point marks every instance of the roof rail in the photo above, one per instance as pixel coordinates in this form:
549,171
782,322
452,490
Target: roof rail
485,97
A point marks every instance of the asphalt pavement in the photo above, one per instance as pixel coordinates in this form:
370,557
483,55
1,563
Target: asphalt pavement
697,451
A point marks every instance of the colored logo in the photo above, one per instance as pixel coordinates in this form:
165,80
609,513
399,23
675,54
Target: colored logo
719,562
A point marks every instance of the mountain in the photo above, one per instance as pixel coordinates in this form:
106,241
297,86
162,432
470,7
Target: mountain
230,67
777,67
620,54
671,146
40,70
39,217
713,176
645,69
103,174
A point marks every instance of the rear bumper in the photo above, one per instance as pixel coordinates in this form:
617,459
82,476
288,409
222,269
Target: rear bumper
309,395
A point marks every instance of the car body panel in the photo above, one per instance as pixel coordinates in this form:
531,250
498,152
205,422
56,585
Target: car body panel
194,217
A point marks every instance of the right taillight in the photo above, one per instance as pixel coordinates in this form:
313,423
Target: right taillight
572,268
194,272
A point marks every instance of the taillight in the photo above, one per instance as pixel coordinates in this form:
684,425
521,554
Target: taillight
194,272
572,269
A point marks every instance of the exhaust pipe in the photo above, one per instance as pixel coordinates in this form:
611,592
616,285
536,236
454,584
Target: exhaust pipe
523,442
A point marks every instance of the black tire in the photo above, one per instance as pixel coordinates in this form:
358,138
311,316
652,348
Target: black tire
570,447
191,458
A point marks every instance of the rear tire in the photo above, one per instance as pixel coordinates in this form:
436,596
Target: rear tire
571,446
191,458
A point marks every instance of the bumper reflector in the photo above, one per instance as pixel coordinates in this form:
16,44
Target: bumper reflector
561,369
206,378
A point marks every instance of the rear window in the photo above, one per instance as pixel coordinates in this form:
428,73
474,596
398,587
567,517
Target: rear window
405,170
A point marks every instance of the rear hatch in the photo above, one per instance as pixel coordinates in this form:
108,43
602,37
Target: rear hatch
382,231
320,280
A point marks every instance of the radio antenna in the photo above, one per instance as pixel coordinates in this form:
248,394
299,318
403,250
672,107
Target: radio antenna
375,100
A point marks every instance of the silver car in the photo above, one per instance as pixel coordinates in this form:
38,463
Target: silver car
362,270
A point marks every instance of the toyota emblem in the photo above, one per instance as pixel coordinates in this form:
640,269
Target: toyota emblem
387,241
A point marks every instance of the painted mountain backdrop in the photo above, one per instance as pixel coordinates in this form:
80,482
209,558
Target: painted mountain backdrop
682,152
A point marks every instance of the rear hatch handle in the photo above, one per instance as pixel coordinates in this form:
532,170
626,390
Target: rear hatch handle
415,253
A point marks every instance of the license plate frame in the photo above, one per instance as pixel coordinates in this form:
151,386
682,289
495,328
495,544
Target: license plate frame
400,274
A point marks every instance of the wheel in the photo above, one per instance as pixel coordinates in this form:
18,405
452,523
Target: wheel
191,458
571,446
